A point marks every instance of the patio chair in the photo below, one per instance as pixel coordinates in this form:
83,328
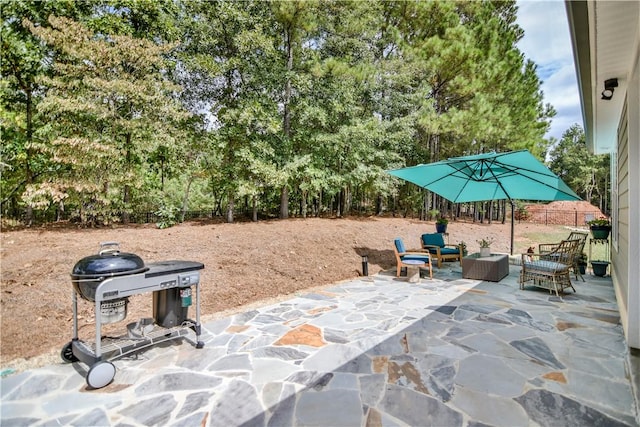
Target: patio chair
546,248
552,270
434,244
406,258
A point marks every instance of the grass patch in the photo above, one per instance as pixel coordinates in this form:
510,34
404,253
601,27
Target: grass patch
554,235
598,251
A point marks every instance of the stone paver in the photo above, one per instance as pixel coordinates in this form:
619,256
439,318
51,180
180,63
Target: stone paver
377,351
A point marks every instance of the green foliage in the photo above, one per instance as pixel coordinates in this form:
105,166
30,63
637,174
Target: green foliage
463,246
23,61
433,213
110,106
167,215
521,212
586,173
485,242
599,222
301,103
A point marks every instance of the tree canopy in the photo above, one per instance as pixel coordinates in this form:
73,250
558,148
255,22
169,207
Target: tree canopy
272,107
584,172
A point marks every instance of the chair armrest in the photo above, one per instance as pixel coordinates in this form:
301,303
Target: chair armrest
454,246
415,252
427,247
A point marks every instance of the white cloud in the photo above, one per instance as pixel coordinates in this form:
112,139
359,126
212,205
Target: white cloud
546,42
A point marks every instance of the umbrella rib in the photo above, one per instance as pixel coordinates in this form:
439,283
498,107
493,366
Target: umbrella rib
468,177
504,190
533,178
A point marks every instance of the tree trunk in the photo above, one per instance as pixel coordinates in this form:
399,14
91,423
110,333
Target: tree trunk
60,210
286,120
185,199
284,202
254,216
230,205
490,212
28,171
348,202
303,204
126,198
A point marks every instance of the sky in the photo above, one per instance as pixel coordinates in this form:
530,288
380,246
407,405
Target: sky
546,42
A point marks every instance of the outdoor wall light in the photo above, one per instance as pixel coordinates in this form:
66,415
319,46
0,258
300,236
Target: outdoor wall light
609,84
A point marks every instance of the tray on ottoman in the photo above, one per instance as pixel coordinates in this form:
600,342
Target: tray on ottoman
492,268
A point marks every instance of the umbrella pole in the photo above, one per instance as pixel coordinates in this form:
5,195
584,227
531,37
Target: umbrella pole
512,223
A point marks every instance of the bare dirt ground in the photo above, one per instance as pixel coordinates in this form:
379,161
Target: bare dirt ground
245,263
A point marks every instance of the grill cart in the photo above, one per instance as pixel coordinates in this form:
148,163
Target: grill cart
108,279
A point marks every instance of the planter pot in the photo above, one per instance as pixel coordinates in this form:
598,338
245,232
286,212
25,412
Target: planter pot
600,231
441,228
599,267
485,252
582,268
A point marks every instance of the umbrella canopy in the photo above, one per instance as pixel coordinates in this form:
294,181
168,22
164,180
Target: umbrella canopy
515,175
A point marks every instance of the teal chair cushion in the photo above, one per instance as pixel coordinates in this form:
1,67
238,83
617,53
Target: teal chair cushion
415,257
423,258
449,251
445,251
434,239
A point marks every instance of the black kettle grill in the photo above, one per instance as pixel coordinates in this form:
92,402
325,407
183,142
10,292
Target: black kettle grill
107,279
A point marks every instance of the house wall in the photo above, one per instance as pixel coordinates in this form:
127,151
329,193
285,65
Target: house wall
620,230
634,201
625,254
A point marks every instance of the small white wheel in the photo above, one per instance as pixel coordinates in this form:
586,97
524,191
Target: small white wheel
101,374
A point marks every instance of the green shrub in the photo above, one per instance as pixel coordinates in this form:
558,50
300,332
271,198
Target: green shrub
167,215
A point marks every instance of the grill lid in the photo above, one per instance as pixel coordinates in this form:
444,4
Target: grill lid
108,262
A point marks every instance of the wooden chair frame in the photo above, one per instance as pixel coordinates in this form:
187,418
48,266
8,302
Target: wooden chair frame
400,262
439,255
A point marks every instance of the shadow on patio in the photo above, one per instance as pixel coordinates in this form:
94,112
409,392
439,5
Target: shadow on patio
496,355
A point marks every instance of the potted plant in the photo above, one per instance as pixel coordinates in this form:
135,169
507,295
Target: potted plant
441,225
485,246
600,228
463,247
582,263
599,267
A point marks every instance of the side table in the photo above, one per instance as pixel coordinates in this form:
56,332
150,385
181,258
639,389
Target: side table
492,268
414,262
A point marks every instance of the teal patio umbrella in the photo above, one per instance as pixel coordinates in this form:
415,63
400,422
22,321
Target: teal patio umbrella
514,175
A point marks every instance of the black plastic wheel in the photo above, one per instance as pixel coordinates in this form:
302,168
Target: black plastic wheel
67,353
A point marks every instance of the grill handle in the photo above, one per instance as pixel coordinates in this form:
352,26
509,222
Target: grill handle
109,247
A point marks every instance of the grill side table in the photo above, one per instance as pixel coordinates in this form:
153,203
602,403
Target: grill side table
492,268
